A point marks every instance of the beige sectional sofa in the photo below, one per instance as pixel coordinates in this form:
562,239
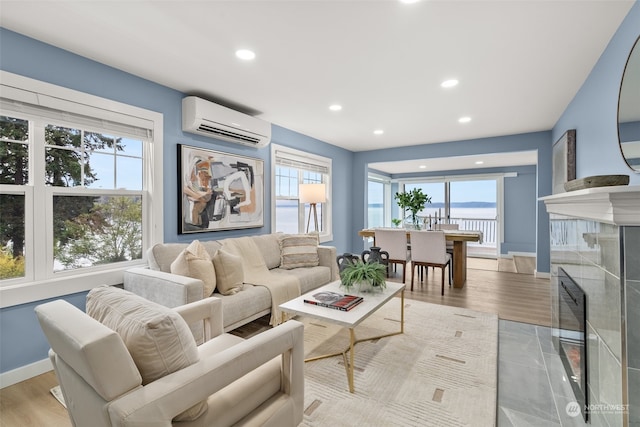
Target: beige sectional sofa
158,284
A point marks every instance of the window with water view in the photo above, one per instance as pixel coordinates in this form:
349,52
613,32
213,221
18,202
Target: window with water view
92,184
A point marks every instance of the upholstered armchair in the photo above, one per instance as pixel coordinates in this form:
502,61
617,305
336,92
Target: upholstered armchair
145,369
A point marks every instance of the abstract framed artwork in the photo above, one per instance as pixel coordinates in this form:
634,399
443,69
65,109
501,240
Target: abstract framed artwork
564,161
219,191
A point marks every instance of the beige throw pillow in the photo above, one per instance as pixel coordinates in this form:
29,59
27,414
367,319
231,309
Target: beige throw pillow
298,250
158,339
196,263
229,272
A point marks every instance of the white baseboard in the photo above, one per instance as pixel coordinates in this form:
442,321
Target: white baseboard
541,275
24,373
530,254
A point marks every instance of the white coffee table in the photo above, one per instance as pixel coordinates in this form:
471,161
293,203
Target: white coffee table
348,319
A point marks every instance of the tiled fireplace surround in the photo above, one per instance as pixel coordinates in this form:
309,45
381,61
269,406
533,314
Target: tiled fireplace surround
595,238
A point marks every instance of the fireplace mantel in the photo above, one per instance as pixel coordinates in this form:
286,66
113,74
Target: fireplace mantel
619,205
595,239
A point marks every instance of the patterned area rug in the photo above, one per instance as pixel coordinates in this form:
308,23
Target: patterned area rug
441,372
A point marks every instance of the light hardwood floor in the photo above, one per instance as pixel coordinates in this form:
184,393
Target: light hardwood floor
513,296
30,404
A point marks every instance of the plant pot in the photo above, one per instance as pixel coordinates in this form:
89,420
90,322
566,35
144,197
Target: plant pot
367,287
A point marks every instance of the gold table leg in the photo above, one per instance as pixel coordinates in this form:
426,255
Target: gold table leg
349,363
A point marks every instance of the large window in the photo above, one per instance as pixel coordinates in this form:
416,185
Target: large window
378,196
290,169
471,202
75,188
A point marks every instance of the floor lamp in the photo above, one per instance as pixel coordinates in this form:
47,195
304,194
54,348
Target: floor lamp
312,194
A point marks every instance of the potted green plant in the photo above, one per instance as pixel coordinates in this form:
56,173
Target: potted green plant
396,222
365,275
414,202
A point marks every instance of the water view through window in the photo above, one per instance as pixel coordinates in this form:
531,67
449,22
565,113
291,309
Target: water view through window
471,204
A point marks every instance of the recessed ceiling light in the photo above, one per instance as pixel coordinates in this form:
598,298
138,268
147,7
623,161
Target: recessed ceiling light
335,107
422,167
378,132
479,162
245,54
464,119
449,83
409,1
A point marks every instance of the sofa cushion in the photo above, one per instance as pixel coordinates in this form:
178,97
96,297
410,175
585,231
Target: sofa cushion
269,245
196,263
229,273
309,278
298,250
248,304
161,255
158,339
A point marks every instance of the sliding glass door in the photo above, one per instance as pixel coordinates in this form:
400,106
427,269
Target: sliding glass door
437,207
378,201
472,204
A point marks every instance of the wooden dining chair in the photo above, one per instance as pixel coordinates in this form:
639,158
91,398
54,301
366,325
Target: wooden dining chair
394,241
428,249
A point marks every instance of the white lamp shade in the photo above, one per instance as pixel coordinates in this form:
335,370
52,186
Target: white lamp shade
312,193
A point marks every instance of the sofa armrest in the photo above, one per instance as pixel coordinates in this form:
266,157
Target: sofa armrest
327,256
209,310
159,402
170,290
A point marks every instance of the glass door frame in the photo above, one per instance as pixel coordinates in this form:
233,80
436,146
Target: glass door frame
446,180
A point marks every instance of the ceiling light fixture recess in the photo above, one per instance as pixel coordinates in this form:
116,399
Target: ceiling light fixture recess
449,83
245,54
409,1
335,107
479,162
422,167
464,119
378,132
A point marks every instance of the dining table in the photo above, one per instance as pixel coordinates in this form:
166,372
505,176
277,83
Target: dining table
459,256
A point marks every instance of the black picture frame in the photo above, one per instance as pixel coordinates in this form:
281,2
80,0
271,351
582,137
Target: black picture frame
218,191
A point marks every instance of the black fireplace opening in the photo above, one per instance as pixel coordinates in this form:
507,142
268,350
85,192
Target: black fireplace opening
573,349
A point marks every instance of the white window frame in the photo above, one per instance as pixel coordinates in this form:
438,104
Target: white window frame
39,281
326,234
386,198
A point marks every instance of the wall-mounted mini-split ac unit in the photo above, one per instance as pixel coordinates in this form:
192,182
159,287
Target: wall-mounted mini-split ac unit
203,117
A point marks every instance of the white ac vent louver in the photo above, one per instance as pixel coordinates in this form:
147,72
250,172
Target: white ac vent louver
203,117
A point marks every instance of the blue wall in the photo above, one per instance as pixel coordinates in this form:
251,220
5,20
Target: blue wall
22,341
593,112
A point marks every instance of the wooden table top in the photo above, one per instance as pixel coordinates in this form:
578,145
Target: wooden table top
451,235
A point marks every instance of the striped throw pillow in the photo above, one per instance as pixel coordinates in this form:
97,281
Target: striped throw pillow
298,250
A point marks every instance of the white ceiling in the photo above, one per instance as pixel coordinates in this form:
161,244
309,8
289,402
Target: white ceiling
519,62
521,158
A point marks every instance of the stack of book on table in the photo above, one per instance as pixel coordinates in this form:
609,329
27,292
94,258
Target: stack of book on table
334,300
